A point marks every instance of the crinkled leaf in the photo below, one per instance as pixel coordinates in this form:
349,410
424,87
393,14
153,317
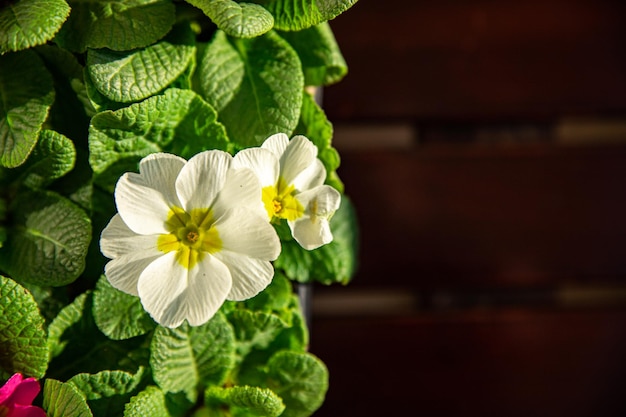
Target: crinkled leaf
182,360
135,75
254,84
117,25
76,344
27,94
178,121
300,379
242,20
49,241
54,155
331,263
149,402
245,401
254,329
61,399
23,339
107,392
301,14
119,315
322,60
27,23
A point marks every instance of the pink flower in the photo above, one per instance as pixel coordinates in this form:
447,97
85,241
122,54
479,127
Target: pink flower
16,397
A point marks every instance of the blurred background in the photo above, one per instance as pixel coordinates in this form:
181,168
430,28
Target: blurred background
483,144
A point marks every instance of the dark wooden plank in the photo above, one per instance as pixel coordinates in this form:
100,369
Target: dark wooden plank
484,216
480,59
504,363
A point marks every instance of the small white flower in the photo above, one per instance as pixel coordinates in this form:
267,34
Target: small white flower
189,235
292,178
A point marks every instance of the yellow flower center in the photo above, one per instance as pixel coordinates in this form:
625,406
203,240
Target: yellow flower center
192,235
280,202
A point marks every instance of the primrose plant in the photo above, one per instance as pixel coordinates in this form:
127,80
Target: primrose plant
167,183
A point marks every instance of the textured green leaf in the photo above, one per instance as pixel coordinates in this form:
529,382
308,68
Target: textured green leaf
77,346
314,125
117,25
27,94
62,399
178,121
149,402
54,155
242,20
301,14
134,75
119,315
300,379
27,23
22,335
331,263
276,297
254,84
107,392
245,401
183,359
49,242
254,329
322,61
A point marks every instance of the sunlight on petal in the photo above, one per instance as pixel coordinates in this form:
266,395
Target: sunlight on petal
118,240
276,143
298,156
313,176
242,188
250,276
209,284
311,234
263,162
202,178
123,273
248,232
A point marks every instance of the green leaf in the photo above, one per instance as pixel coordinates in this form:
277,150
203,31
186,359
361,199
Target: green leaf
23,339
117,25
27,23
314,125
276,297
54,155
245,401
254,329
77,346
119,315
50,239
149,402
254,84
135,75
301,14
107,392
178,121
322,60
242,20
300,379
331,263
27,94
62,399
182,360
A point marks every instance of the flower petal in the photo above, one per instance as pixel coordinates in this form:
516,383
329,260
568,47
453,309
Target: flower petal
25,392
250,276
276,143
123,273
172,293
263,162
320,201
248,232
241,188
26,411
144,200
9,387
311,233
202,178
298,156
117,239
313,176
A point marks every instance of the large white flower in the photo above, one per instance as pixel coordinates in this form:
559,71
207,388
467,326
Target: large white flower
292,178
189,235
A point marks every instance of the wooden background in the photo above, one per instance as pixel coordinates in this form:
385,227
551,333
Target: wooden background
483,144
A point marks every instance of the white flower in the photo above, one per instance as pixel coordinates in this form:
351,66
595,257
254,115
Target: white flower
292,178
189,235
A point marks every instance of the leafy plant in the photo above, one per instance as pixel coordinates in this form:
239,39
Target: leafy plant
88,89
